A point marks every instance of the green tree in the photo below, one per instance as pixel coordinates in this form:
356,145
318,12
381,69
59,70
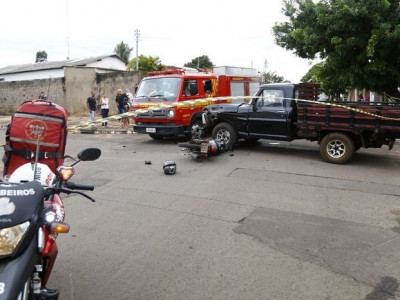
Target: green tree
123,51
358,39
200,62
41,56
146,63
272,77
313,74
331,83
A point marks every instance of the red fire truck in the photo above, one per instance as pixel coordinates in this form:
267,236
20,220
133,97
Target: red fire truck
170,103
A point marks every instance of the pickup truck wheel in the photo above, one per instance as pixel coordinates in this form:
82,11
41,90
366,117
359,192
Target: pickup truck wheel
225,132
336,148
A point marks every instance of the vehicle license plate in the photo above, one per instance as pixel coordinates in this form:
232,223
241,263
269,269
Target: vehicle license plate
151,130
204,147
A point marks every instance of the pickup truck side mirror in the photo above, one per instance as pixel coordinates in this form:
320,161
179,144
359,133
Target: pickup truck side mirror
257,104
254,105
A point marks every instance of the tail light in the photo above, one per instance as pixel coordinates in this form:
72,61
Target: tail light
212,146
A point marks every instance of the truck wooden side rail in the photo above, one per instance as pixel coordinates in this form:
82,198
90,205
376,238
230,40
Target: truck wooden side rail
347,116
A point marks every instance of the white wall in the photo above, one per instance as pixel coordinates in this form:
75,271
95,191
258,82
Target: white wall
109,63
43,74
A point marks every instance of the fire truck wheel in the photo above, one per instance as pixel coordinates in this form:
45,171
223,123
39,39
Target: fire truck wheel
156,137
196,129
225,132
336,148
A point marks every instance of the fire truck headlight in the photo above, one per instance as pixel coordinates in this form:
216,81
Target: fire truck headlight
171,113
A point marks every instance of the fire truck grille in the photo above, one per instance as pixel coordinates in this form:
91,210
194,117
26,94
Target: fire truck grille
155,113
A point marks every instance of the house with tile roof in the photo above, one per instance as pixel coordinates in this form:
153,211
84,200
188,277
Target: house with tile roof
56,69
67,82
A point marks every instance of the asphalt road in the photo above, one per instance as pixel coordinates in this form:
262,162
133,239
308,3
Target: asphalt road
271,221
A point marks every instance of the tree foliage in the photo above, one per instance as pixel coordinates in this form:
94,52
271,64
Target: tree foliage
359,40
122,50
331,83
41,56
200,62
272,77
146,63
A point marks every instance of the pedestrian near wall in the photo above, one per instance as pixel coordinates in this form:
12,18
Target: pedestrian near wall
91,105
121,101
105,108
130,98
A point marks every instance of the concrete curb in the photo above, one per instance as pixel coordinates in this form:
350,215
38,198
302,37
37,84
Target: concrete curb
74,121
103,131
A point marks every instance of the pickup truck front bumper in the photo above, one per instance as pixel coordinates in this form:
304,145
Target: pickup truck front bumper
209,120
160,130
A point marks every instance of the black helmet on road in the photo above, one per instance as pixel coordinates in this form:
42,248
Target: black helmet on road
169,167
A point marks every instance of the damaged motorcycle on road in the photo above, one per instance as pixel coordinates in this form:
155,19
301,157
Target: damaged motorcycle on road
204,148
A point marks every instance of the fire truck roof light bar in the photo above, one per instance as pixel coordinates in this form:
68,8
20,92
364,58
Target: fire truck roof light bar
166,72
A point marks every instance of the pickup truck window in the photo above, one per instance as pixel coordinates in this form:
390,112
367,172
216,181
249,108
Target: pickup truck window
271,98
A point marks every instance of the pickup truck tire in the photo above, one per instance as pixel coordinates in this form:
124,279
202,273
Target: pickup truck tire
225,132
337,148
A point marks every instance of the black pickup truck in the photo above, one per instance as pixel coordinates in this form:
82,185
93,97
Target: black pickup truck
287,112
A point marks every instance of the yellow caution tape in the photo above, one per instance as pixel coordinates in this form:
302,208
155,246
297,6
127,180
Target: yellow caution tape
216,100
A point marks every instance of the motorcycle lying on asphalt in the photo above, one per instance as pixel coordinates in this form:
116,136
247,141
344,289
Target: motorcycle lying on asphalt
204,148
31,217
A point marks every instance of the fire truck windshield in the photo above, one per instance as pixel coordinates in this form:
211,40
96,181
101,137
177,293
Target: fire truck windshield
156,89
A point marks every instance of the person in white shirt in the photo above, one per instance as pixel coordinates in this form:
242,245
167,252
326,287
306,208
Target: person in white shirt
130,98
104,108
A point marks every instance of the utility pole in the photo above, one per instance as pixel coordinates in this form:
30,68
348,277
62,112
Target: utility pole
67,25
137,35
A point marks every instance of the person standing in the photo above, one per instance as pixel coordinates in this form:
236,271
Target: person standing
104,109
130,98
91,105
122,101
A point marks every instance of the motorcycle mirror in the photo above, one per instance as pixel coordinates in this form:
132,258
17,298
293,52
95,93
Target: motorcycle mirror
89,154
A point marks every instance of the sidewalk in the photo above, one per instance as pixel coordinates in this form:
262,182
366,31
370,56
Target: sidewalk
79,124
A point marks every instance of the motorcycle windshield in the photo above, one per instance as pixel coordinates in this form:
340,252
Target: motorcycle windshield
19,202
158,90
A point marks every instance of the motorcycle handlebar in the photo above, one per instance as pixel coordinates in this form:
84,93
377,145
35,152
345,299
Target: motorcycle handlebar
78,186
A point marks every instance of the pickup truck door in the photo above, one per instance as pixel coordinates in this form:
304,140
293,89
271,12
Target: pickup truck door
268,117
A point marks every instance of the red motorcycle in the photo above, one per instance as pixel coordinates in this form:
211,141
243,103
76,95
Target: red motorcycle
31,217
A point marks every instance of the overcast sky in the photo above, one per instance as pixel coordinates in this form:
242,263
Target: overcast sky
230,33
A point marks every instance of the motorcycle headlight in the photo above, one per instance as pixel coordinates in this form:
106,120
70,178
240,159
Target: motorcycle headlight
171,113
11,237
